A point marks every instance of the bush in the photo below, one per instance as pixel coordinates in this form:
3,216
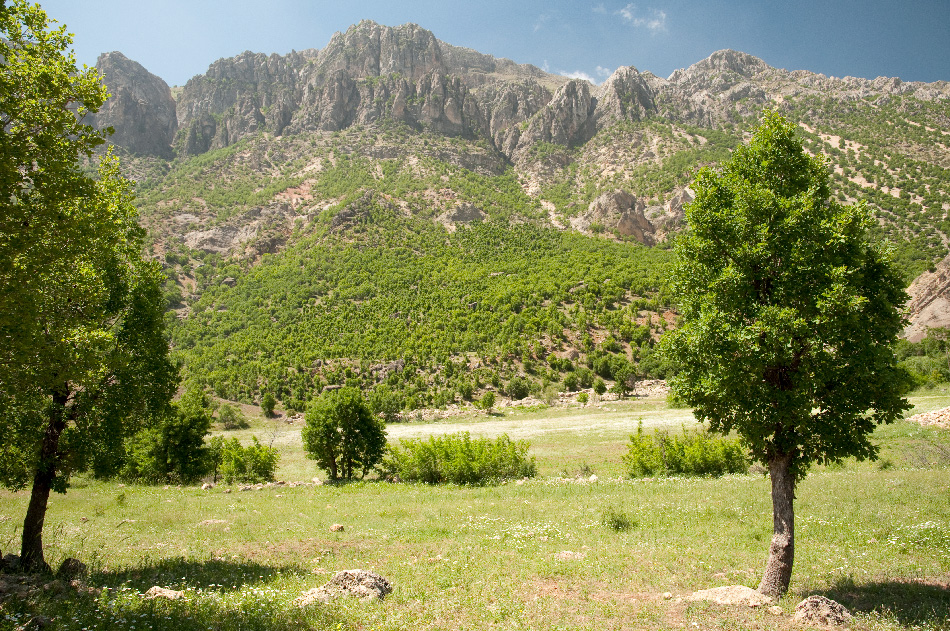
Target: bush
385,402
254,463
230,417
488,401
458,458
268,402
617,520
172,449
693,453
518,388
342,434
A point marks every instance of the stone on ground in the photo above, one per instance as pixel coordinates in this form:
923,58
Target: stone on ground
162,592
818,610
357,583
71,568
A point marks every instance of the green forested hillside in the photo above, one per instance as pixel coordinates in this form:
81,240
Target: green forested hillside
495,299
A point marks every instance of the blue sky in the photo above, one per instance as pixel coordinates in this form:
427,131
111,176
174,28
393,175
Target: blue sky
177,39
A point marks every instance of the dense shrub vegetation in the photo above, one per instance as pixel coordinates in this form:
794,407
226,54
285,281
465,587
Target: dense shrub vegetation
236,463
171,449
693,453
459,459
489,306
927,361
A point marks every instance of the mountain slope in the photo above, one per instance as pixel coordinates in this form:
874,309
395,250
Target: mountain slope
389,141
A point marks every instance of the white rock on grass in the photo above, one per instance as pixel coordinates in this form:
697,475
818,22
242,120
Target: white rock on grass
818,610
162,592
732,595
356,583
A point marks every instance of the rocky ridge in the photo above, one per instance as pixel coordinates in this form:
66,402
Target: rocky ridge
504,115
374,73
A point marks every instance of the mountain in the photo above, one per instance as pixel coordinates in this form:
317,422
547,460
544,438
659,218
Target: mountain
391,197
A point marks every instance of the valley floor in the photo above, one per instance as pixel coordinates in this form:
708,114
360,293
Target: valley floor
535,554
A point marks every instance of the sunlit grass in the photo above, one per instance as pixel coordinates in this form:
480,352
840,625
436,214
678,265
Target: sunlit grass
536,555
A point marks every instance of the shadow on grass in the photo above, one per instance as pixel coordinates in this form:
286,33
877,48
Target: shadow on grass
910,603
221,595
180,573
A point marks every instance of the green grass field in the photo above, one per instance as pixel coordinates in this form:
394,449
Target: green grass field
530,555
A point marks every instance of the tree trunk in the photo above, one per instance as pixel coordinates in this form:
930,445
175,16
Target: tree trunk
31,549
778,569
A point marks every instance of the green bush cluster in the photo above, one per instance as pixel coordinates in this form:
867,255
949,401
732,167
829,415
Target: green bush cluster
171,448
693,453
459,459
235,463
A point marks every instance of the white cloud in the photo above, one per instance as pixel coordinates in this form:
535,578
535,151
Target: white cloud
579,74
653,20
603,72
600,8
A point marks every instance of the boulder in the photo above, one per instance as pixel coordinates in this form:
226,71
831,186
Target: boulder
71,568
356,583
163,592
819,610
732,595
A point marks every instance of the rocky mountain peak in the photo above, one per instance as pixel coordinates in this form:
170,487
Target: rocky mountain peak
722,66
369,49
626,95
140,109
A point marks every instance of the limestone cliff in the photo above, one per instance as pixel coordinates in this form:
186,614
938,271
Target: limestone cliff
929,304
140,108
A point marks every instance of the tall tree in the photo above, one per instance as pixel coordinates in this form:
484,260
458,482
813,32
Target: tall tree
83,354
789,312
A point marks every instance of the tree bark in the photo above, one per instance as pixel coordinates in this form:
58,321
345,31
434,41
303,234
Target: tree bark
778,568
31,549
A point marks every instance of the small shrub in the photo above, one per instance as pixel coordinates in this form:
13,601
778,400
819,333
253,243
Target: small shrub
693,453
254,463
488,401
518,388
583,398
268,402
458,458
617,520
231,417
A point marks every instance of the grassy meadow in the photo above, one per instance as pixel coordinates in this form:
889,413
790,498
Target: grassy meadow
556,552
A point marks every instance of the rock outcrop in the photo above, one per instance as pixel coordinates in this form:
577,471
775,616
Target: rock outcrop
619,212
374,73
140,107
929,304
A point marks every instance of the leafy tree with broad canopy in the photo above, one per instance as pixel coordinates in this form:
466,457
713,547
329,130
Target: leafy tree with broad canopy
342,434
789,313
83,354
